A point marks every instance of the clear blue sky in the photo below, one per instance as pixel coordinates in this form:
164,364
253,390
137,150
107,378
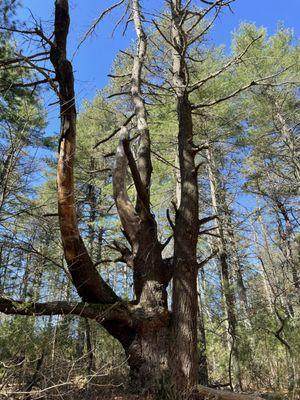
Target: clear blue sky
93,62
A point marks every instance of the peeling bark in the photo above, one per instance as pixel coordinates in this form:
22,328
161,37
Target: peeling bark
90,286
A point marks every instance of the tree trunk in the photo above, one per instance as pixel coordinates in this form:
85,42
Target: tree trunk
89,284
236,263
203,368
184,299
287,236
89,347
229,297
148,359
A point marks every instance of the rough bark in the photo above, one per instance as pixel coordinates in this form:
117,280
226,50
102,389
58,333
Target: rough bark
184,299
148,353
142,331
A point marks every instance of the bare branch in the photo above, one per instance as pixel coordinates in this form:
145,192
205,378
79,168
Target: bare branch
233,61
114,132
23,85
203,221
41,71
257,82
96,22
207,259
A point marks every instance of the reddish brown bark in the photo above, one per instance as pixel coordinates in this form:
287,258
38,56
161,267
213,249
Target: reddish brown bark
90,286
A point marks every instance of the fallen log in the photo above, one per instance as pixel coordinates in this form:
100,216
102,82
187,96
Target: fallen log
206,393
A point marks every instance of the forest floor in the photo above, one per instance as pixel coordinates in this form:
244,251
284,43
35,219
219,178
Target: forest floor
124,396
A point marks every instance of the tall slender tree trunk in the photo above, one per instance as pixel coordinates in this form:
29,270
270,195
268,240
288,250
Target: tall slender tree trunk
229,297
263,272
273,280
236,263
287,237
203,367
89,347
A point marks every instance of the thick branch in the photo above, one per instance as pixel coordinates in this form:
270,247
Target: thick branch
90,286
17,307
139,186
100,313
207,259
143,152
129,218
205,220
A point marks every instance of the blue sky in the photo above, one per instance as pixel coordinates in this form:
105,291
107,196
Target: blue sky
94,59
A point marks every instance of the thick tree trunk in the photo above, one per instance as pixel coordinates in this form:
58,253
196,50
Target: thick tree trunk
147,343
184,300
148,359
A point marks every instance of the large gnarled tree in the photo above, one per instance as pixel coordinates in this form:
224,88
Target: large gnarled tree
161,344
